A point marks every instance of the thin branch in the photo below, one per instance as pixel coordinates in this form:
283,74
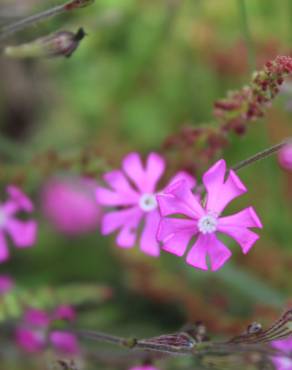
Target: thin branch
261,155
254,339
28,21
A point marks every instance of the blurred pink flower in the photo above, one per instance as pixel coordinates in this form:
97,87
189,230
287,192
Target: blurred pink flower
283,363
132,192
23,233
144,367
285,157
64,342
36,317
6,284
34,334
64,312
69,204
202,219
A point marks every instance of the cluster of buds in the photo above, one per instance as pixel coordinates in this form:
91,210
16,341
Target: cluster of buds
249,103
233,114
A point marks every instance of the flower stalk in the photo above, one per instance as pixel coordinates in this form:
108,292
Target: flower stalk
17,26
260,155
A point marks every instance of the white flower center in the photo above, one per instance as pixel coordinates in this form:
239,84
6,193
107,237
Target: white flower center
3,217
207,224
148,202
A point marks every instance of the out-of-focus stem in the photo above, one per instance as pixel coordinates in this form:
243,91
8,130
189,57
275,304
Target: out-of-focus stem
26,22
246,33
261,155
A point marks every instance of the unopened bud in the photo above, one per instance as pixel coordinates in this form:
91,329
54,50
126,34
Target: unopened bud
62,43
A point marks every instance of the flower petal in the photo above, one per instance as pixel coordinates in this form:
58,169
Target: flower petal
198,253
175,234
145,179
217,252
243,236
120,184
220,193
148,242
108,197
236,226
179,199
17,196
23,233
64,342
29,340
127,220
155,167
211,246
182,175
245,218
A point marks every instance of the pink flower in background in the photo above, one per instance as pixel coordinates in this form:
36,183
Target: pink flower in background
144,367
6,284
65,312
22,233
203,219
285,156
69,204
34,334
283,363
132,193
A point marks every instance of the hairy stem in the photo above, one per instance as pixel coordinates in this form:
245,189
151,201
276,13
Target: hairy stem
28,21
260,155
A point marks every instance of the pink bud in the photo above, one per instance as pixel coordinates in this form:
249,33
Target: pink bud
285,156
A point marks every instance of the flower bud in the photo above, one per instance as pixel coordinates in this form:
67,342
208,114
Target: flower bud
62,43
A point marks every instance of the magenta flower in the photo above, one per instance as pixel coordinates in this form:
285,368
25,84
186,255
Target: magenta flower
69,204
65,312
34,334
203,220
6,284
64,342
285,156
283,363
23,233
132,193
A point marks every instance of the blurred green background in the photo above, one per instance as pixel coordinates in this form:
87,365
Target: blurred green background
146,69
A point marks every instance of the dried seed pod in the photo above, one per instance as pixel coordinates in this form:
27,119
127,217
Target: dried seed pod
58,44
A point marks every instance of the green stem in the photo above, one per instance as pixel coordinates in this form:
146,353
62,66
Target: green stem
246,33
28,21
261,155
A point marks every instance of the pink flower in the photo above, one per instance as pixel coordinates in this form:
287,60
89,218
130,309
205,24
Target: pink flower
34,334
65,312
64,342
29,340
285,156
36,317
203,219
132,192
23,233
70,206
283,363
6,284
